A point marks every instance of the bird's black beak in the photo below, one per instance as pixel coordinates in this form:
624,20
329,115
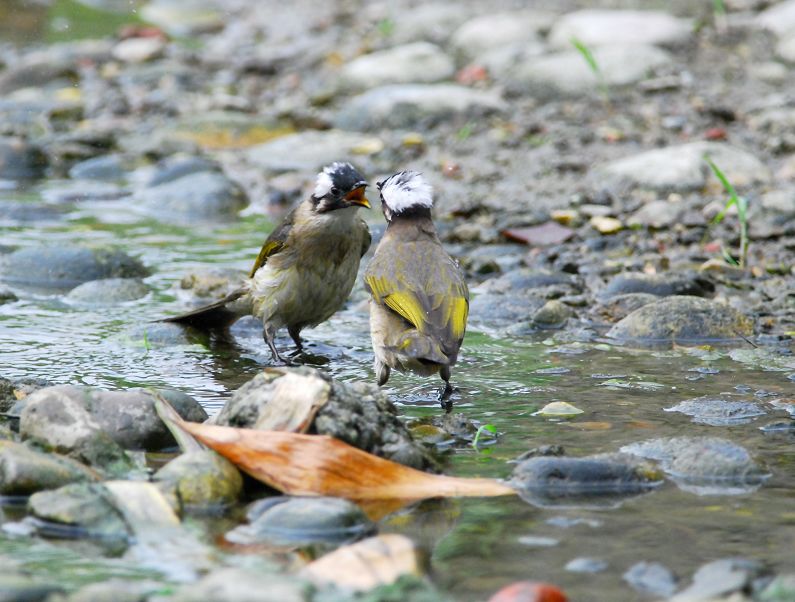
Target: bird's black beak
356,197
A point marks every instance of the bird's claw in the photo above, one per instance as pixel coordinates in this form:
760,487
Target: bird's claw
445,393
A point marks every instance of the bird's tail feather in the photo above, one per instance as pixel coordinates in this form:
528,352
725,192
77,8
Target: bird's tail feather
213,316
421,347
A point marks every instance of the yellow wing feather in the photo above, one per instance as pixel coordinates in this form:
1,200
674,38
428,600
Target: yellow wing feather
269,248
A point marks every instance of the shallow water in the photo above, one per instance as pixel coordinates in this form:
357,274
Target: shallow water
476,545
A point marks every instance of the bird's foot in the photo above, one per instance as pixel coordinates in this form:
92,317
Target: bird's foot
280,360
445,393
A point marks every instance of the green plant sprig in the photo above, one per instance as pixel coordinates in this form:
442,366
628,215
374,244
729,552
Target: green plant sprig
742,213
483,427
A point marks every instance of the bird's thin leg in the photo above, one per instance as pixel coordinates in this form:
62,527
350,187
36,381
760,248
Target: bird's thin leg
268,333
447,391
295,335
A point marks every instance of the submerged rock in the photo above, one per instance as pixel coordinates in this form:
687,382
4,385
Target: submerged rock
718,411
297,521
20,160
24,471
720,578
556,480
25,588
66,266
95,426
108,291
411,105
194,197
200,480
106,167
681,320
357,413
420,62
703,465
683,168
660,285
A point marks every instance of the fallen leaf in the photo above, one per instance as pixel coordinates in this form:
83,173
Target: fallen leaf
299,464
529,591
366,564
550,233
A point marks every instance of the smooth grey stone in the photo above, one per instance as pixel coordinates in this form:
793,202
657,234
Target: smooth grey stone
193,197
585,564
420,62
486,32
24,471
308,151
719,578
241,585
109,291
681,320
595,27
683,168
66,266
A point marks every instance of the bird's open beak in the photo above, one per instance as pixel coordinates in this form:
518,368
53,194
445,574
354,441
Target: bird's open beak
356,197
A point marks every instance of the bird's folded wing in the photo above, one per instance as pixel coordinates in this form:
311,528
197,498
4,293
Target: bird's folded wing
274,243
433,300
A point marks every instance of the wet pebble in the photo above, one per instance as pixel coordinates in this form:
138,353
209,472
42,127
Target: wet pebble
139,49
552,315
617,307
173,168
109,291
420,62
585,564
296,521
651,578
66,266
718,411
411,105
703,465
194,197
661,285
681,320
631,27
682,167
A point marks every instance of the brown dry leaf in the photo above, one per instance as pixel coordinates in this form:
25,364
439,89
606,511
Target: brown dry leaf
295,402
364,565
299,464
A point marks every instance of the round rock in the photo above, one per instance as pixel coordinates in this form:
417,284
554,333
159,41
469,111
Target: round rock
201,479
194,197
603,27
420,62
681,320
66,266
108,291
660,285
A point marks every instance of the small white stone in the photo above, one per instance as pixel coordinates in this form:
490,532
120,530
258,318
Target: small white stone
139,50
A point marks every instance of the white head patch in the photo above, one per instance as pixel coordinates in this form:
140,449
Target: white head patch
323,184
405,190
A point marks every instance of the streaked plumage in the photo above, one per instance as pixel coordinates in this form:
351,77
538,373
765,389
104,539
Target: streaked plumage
306,267
419,299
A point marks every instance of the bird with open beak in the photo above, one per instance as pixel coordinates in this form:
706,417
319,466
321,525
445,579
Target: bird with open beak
307,266
419,299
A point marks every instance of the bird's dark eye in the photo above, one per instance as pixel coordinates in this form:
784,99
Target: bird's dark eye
334,190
